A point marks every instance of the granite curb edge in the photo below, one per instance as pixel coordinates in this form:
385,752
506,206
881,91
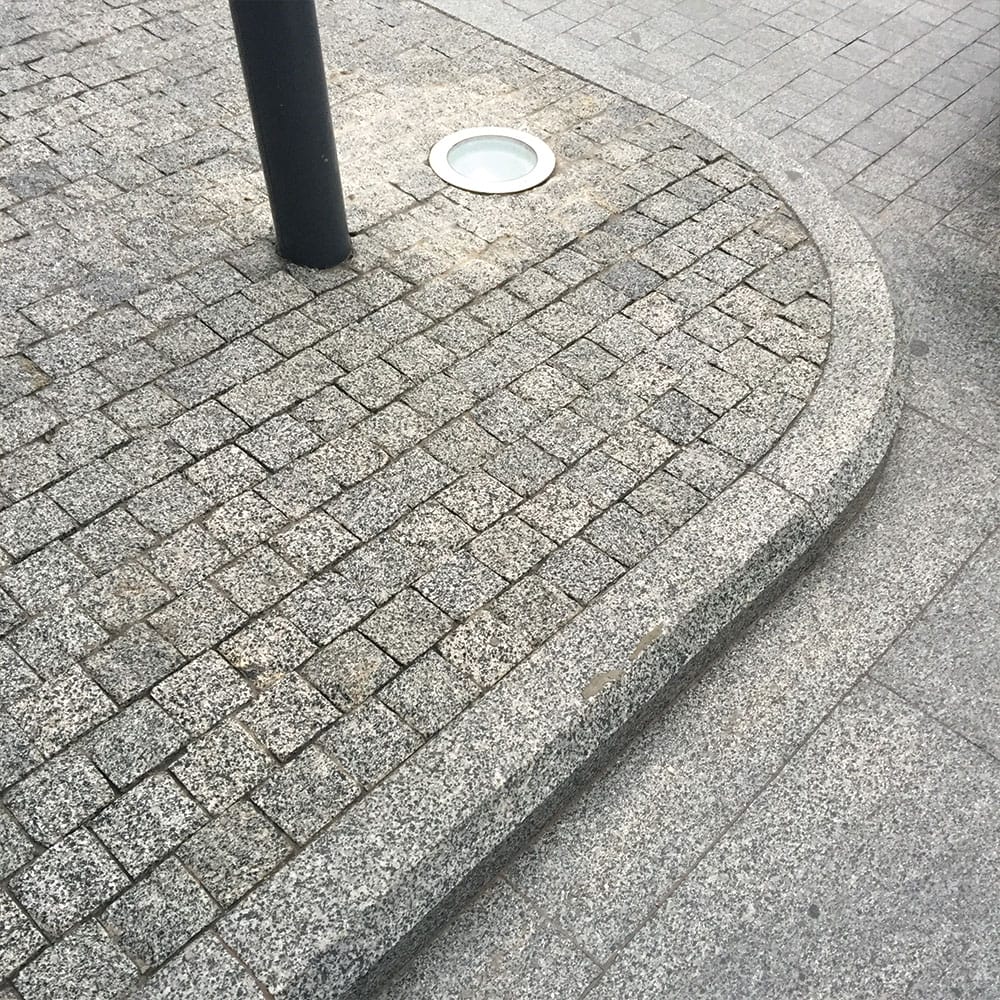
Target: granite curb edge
322,924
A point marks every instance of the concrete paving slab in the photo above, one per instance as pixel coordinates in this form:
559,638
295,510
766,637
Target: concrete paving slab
774,908
947,662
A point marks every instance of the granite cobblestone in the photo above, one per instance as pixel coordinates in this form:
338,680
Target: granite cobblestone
264,532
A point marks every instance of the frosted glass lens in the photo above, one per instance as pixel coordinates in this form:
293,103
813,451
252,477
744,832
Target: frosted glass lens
485,158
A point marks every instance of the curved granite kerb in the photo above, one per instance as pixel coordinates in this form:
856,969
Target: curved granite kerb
842,435
345,903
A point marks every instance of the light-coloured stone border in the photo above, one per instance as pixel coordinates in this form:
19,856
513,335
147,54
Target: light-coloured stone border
343,906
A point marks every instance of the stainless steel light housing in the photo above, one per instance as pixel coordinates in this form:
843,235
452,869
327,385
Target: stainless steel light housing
492,160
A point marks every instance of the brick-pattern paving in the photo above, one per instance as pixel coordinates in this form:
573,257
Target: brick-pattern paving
892,102
264,531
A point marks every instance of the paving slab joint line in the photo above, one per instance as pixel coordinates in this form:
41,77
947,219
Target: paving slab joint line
377,879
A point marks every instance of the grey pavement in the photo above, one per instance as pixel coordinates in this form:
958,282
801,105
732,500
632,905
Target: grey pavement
813,817
818,815
893,104
265,532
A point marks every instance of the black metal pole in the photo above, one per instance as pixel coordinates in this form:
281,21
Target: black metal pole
282,62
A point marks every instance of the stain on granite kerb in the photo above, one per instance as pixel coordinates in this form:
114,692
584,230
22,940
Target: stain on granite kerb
605,678
646,641
599,682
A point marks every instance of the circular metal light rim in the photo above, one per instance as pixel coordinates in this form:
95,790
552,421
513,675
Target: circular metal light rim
541,171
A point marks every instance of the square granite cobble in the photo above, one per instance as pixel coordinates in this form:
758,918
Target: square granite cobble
234,851
85,955
69,881
58,796
147,822
19,940
158,914
265,531
305,794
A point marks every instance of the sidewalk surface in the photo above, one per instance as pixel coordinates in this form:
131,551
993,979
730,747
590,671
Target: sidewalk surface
264,532
838,836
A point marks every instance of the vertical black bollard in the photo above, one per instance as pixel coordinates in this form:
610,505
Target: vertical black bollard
282,62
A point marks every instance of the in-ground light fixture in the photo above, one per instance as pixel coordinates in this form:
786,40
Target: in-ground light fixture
492,160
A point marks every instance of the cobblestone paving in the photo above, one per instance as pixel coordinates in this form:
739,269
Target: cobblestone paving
264,531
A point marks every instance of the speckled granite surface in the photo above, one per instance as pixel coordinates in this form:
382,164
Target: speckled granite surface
266,531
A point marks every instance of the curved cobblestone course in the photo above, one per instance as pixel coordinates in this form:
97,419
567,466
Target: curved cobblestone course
265,531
